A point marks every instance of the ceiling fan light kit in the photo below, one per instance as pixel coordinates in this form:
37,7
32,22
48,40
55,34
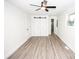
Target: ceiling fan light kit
43,6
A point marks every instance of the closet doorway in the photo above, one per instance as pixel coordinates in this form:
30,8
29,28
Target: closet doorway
52,26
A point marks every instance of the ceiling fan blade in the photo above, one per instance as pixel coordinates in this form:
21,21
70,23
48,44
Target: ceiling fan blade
37,9
50,6
35,5
46,10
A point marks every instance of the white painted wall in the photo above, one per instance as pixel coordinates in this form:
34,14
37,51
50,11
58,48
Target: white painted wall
16,32
65,32
39,26
42,27
1,29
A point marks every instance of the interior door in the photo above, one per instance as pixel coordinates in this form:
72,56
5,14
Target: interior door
39,27
36,27
44,27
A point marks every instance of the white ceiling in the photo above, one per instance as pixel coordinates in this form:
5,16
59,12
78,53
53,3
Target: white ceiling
60,4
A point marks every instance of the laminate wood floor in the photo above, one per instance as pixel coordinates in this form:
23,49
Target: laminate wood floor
50,47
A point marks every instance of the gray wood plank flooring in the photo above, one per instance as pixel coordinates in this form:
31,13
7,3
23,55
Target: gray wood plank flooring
50,47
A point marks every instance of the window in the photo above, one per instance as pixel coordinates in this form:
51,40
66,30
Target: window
71,19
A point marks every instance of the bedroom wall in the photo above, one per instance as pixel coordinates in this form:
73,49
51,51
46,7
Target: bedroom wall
65,32
17,28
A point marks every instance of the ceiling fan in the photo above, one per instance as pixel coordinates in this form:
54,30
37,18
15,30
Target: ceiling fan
43,6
